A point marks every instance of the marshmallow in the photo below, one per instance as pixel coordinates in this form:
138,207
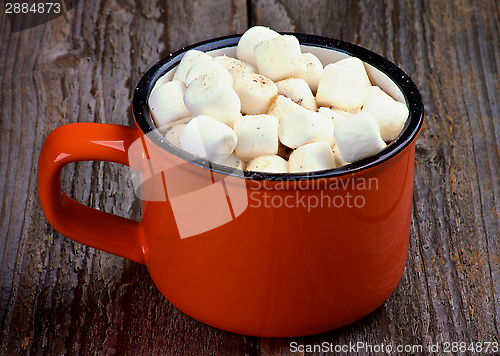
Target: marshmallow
232,161
210,95
314,70
282,106
165,128
256,93
248,41
335,116
372,90
208,138
174,135
257,136
341,87
314,156
341,112
299,91
166,103
355,64
190,59
339,161
182,121
358,137
234,66
270,163
304,126
208,67
280,58
391,114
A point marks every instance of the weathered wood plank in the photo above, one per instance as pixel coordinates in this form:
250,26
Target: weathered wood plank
336,19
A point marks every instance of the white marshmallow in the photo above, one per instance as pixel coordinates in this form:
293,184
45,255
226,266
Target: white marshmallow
355,64
391,114
282,106
256,93
208,138
232,161
335,116
190,59
165,128
210,95
341,88
304,126
182,121
257,135
235,66
280,58
299,91
314,156
270,164
314,70
341,112
372,90
174,135
339,161
166,103
358,137
206,67
250,39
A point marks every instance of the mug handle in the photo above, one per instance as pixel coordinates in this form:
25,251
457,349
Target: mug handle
88,142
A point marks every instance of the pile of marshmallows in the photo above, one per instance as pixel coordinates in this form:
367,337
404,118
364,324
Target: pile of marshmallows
275,109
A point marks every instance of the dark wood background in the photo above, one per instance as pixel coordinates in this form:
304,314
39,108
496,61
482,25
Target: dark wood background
59,297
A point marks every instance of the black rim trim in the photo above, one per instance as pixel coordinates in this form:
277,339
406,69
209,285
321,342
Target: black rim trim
400,78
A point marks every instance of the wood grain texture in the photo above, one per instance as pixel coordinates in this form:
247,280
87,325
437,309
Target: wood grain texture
59,297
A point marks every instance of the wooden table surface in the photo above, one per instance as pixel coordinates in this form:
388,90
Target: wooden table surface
58,297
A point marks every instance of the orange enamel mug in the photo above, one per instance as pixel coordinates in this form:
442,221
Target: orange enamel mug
272,255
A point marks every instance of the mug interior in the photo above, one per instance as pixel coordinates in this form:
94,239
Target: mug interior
381,71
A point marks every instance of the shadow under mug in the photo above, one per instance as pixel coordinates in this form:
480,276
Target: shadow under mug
272,255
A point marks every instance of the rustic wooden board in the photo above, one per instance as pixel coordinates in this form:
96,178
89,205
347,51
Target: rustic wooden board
60,297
